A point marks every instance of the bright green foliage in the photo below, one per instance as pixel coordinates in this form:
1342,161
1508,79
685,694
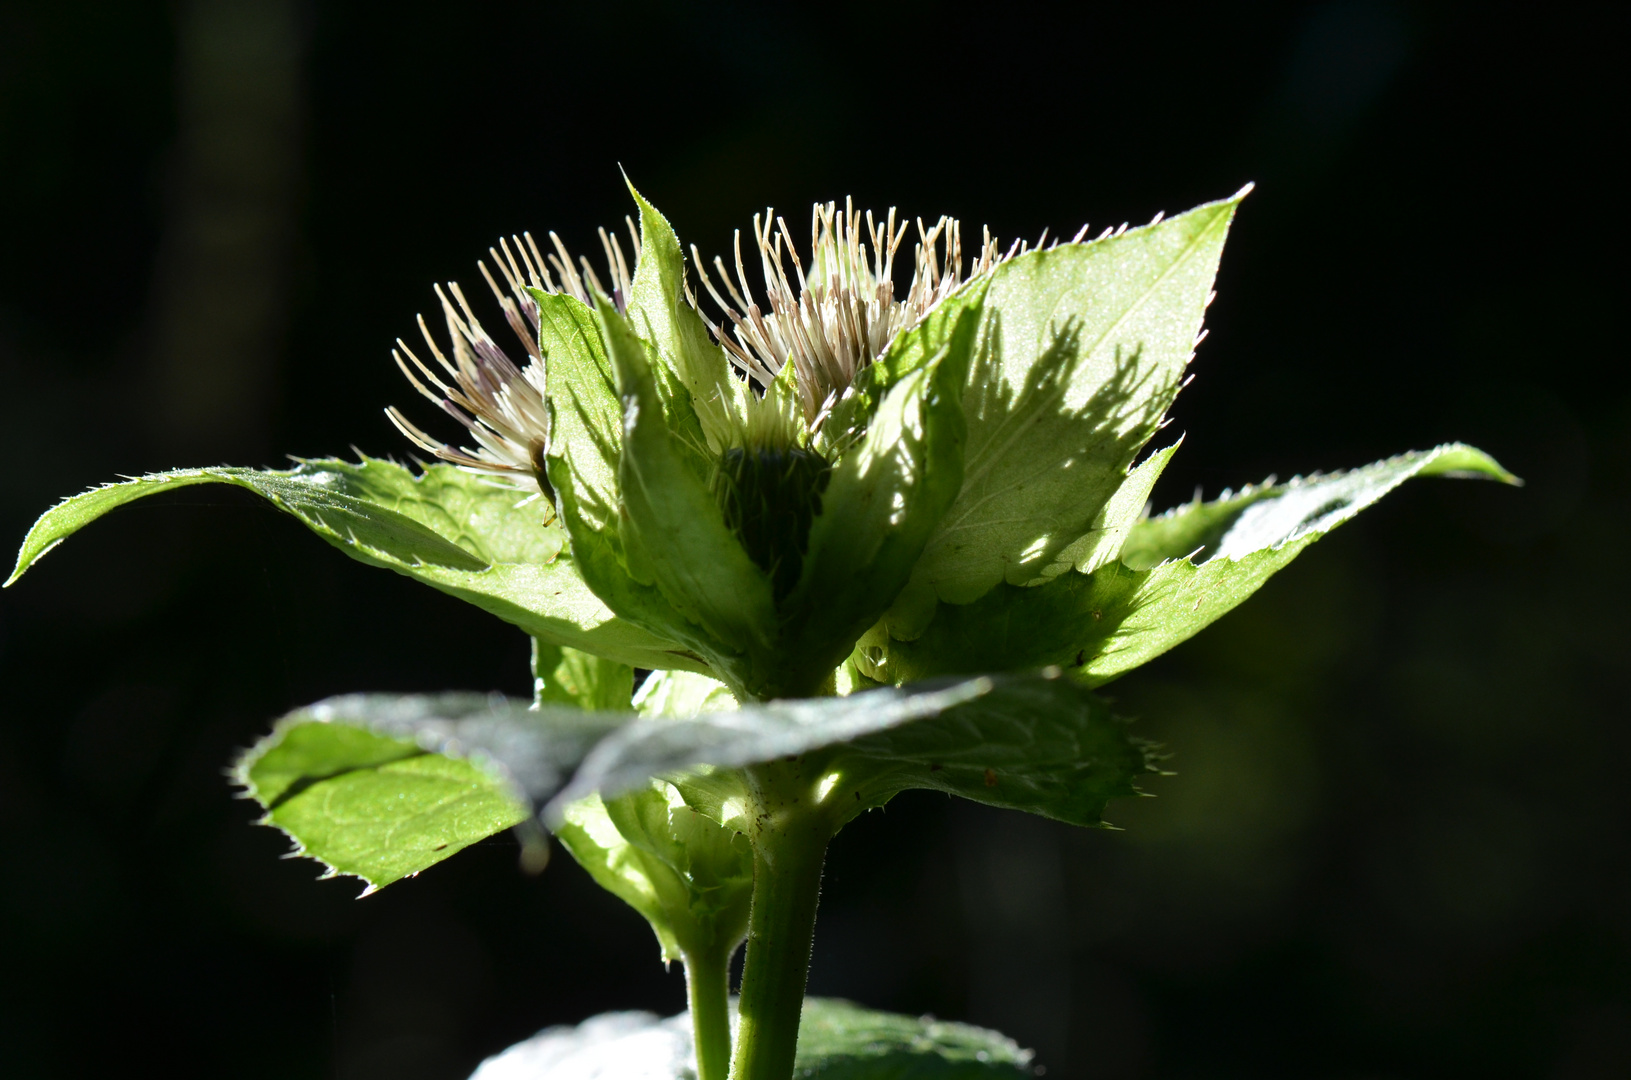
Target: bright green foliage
674,530
375,807
563,676
691,878
914,584
1177,574
659,314
1082,349
464,535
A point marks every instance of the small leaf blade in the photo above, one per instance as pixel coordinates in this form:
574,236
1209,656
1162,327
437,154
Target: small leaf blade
371,806
659,312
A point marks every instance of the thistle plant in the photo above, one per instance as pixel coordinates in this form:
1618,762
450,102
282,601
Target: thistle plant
847,542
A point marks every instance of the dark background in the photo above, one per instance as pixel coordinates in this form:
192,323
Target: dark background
1396,845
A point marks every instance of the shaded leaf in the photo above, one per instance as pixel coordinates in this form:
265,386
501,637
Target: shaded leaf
881,505
838,1040
1042,745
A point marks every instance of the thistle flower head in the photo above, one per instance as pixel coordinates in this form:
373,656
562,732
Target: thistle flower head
811,473
843,313
499,401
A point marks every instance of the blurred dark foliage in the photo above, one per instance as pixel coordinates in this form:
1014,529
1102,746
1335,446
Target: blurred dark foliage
1396,843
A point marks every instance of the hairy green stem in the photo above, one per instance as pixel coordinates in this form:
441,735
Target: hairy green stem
707,984
790,844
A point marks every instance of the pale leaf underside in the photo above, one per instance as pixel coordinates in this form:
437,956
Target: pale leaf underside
837,1041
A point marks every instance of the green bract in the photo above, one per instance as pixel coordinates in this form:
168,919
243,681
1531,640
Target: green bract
861,545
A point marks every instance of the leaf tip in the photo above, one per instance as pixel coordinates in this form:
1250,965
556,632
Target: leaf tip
26,559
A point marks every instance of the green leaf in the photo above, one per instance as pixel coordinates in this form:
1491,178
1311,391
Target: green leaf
688,876
535,749
1081,351
1039,744
910,352
881,505
659,312
586,421
368,805
667,746
838,1040
681,693
1122,514
672,520
465,535
564,676
585,416
1102,624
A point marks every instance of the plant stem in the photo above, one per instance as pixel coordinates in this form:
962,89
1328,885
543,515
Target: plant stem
789,848
707,984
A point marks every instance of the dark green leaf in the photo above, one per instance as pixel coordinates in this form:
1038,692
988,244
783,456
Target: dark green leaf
1042,745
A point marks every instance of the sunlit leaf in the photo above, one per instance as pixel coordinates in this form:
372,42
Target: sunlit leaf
691,878
465,535
659,313
673,528
1082,349
369,805
1193,565
881,506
